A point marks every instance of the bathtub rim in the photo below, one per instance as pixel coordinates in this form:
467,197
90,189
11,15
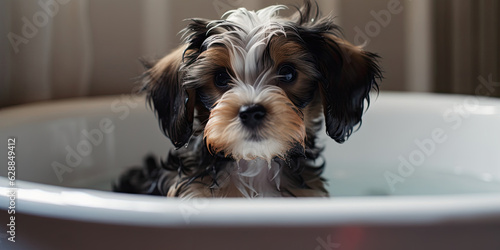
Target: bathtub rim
142,210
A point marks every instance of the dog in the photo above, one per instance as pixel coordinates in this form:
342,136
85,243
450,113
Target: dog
242,100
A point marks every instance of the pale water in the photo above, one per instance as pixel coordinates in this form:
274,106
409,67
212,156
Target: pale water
372,182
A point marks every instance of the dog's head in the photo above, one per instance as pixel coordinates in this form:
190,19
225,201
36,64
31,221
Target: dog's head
258,83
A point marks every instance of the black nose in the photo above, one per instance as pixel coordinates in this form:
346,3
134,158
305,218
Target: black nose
252,115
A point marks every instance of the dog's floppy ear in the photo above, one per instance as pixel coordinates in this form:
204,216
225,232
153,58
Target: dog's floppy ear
163,81
173,105
348,73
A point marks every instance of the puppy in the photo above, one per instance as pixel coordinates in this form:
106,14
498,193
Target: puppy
242,100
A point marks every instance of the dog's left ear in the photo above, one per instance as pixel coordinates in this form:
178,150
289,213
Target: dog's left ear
348,73
163,81
173,105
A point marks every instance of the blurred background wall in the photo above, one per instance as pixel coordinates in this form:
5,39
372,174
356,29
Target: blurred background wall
54,49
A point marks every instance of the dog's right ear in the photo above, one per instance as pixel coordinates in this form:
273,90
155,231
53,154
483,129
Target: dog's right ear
173,105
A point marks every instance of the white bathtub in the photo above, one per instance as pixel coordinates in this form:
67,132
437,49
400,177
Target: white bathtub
423,172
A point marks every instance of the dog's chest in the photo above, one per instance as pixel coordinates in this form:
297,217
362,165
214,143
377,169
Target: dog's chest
255,178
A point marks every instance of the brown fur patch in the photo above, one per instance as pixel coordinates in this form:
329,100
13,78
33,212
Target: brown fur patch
283,125
168,63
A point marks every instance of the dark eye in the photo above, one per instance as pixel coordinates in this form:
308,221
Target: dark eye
287,73
222,79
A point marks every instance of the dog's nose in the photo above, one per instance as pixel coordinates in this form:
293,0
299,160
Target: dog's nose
252,115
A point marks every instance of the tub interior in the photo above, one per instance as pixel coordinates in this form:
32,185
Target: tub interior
408,144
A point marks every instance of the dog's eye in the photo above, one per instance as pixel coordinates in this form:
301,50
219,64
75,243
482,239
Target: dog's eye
287,73
222,79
